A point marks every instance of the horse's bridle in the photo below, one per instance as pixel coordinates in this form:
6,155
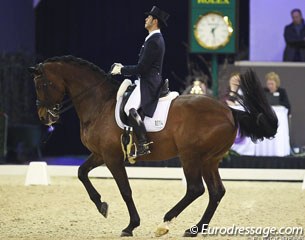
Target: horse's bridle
56,109
52,109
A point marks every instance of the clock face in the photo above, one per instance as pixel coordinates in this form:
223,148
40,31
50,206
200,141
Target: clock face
213,31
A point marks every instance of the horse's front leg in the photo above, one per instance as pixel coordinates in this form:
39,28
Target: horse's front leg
117,168
92,162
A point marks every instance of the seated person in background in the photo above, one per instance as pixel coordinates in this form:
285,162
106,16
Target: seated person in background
233,88
274,90
294,35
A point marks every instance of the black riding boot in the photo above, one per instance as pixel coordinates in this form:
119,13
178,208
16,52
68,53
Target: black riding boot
140,131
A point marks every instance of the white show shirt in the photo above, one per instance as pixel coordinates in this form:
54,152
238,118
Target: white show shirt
151,33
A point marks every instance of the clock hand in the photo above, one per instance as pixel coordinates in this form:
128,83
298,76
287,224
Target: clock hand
213,30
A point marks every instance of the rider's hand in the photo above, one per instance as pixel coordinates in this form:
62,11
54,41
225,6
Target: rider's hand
116,68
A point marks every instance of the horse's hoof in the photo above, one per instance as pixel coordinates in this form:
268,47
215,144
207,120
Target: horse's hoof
126,234
162,229
104,209
190,233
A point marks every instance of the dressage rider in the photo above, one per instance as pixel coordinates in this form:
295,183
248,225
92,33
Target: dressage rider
148,69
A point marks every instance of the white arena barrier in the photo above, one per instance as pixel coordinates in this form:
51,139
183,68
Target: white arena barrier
241,174
37,174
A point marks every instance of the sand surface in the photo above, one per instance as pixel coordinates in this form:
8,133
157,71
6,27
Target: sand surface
63,210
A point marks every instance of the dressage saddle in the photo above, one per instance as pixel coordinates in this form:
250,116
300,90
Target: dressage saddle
124,118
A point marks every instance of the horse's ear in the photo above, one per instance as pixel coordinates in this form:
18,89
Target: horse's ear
33,70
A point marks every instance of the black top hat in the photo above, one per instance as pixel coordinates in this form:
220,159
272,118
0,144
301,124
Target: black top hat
159,14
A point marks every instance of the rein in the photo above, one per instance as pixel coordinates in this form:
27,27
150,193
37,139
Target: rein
75,97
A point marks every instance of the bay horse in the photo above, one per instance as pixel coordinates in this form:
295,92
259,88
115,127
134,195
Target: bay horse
199,129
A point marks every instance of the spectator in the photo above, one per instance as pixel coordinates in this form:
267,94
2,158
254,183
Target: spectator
294,35
233,89
273,86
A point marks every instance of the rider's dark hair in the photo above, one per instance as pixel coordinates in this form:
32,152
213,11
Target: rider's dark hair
160,24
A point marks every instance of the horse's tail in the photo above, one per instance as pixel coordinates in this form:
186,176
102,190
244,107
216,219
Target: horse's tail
258,121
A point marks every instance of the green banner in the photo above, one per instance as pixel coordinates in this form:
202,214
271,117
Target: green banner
212,26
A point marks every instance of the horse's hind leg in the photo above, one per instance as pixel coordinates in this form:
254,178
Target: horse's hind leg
92,162
216,192
195,188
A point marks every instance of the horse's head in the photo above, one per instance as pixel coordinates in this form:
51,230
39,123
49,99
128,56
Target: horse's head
50,92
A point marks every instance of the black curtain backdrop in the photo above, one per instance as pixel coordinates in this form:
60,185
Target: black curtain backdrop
17,27
104,32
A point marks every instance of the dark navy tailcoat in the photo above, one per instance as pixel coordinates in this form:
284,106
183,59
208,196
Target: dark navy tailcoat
149,69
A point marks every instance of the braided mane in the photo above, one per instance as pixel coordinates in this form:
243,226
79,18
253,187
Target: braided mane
81,62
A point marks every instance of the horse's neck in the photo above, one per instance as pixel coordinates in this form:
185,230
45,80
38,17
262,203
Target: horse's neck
91,95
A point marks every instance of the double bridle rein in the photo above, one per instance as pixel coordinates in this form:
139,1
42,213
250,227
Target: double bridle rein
58,108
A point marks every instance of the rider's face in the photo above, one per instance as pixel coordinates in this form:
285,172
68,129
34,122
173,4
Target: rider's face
149,22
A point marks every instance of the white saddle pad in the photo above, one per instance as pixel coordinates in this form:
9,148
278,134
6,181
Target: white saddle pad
158,121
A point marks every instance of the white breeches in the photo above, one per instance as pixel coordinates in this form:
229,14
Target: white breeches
134,100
